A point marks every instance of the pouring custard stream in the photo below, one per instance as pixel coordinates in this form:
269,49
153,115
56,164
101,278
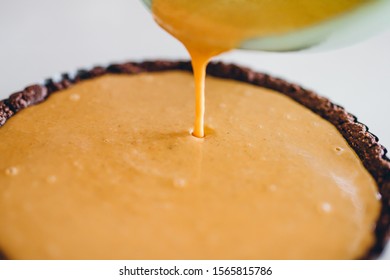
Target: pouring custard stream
208,28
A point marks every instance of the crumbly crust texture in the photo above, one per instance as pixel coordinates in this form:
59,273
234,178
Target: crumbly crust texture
364,143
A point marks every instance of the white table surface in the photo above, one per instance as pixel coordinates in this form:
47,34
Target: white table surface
44,37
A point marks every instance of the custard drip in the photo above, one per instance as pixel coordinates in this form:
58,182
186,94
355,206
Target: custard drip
208,28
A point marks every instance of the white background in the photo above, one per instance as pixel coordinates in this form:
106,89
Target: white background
41,38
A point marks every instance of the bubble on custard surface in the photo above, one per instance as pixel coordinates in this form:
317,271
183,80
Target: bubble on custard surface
326,207
51,179
78,165
249,146
339,150
179,182
11,171
316,124
74,97
290,117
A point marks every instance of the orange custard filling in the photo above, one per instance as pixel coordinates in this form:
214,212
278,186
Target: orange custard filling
84,177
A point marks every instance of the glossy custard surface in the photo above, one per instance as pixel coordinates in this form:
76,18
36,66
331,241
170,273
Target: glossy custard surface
108,170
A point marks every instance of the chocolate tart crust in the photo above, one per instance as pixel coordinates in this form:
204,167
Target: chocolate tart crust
365,144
